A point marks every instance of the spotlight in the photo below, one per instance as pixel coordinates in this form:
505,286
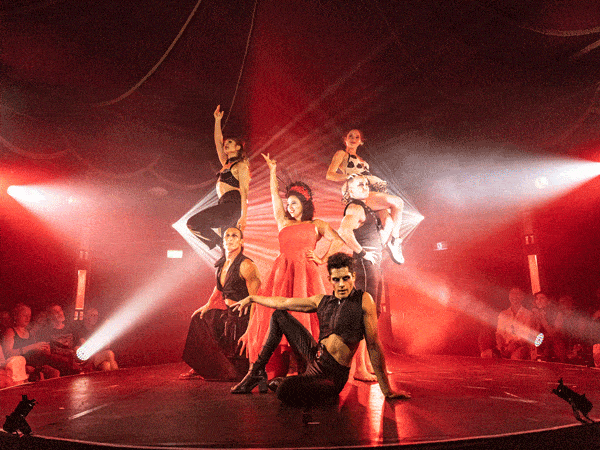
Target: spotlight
82,354
578,402
16,421
539,339
25,194
541,182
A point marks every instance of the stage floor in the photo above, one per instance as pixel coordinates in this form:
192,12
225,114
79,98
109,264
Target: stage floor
456,401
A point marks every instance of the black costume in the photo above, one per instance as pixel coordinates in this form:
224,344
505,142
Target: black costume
324,377
368,275
211,344
225,214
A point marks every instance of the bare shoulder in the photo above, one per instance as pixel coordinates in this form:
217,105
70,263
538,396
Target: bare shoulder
248,268
355,209
8,333
368,303
339,155
247,264
241,167
319,222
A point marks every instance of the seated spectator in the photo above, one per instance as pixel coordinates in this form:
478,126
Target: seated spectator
594,328
103,359
12,370
487,342
544,317
18,341
5,322
569,344
514,326
39,322
61,337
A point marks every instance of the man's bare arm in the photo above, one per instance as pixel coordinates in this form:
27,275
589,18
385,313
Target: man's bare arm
249,272
375,350
304,304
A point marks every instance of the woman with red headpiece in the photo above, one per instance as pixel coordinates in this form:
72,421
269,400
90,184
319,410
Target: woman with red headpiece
295,272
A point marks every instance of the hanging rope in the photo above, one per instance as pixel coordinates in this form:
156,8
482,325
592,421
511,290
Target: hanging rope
32,155
156,66
592,108
243,63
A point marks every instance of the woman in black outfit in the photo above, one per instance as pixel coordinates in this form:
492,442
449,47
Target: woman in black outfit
233,181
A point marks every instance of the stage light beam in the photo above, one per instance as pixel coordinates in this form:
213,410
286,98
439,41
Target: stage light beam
25,194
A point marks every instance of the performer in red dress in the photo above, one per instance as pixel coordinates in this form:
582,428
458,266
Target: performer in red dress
295,272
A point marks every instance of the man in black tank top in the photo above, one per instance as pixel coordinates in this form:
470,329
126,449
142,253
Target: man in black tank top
215,344
345,317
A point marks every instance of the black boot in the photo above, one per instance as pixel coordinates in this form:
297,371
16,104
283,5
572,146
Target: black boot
256,376
275,383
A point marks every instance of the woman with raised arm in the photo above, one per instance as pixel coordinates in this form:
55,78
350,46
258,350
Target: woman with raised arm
233,182
295,271
388,207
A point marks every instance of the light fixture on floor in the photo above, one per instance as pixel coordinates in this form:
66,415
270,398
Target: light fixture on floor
16,423
581,405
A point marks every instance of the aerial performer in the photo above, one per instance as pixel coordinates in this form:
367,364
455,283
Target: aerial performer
387,206
233,181
295,271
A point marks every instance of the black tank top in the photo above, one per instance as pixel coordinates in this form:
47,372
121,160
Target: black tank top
235,286
226,176
342,317
367,235
20,342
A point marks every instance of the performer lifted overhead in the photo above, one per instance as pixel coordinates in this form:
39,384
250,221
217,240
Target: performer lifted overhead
389,207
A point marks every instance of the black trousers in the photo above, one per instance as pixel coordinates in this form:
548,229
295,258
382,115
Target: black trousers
211,345
223,215
324,377
369,279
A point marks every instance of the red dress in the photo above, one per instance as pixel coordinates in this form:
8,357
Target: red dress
292,275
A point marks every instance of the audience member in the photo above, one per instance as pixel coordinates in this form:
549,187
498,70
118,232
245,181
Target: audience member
18,341
544,317
61,337
38,322
514,327
5,321
594,328
103,359
12,370
569,344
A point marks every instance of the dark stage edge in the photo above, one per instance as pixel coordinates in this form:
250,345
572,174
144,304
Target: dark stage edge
457,402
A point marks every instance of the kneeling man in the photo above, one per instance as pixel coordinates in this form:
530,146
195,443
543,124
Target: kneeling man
344,319
216,329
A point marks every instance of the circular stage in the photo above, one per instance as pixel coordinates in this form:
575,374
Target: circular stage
457,402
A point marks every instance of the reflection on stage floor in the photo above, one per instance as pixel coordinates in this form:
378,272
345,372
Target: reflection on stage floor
457,402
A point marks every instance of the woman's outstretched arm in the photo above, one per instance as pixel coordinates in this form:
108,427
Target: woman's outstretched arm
219,135
278,208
